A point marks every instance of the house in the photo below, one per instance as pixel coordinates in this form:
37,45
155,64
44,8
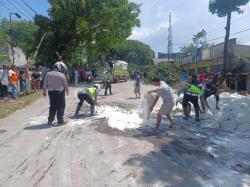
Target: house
211,59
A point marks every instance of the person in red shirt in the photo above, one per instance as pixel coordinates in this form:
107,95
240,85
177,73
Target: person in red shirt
202,76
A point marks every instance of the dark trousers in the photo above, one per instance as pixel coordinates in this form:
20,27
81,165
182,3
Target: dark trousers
85,97
3,90
194,100
107,86
57,105
189,98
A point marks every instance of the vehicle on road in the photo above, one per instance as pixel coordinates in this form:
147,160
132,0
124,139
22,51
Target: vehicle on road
120,71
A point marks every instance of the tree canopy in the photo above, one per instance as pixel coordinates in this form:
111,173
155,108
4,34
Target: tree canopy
199,41
92,26
135,53
22,31
221,7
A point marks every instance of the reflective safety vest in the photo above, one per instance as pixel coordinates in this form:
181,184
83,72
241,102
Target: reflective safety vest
91,91
106,77
194,89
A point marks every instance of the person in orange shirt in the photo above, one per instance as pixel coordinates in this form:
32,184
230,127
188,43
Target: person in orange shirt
13,80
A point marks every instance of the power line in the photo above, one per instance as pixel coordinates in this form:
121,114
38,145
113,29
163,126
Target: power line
218,28
23,8
18,9
230,34
232,22
26,4
221,37
5,6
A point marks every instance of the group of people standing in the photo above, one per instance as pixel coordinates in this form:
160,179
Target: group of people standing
16,81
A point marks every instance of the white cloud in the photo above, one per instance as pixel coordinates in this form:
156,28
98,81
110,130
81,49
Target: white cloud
189,17
141,33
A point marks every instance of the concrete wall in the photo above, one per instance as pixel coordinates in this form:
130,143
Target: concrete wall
242,51
187,59
206,53
217,51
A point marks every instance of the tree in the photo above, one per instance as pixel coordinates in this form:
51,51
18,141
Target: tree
94,25
22,31
135,53
199,41
224,8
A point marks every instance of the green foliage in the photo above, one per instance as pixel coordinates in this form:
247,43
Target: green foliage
199,40
94,25
135,53
222,7
165,71
22,31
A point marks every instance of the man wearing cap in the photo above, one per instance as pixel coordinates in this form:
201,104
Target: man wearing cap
90,96
56,84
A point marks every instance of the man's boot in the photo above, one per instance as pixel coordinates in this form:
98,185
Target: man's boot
92,110
197,113
78,108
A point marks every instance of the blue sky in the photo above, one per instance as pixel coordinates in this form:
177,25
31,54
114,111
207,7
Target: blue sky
189,17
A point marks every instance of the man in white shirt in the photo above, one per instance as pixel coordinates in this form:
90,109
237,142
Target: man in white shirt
165,93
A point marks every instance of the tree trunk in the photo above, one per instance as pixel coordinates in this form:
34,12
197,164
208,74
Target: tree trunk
226,44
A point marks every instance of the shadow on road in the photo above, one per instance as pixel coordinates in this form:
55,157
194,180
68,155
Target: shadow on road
39,127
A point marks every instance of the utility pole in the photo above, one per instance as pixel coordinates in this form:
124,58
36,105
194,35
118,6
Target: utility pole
170,37
226,42
11,37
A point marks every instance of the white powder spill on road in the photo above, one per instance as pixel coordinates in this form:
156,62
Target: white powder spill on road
120,118
38,120
124,119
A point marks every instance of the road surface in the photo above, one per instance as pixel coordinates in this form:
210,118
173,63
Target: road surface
87,152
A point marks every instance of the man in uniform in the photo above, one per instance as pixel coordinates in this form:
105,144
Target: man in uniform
90,96
107,82
191,94
56,84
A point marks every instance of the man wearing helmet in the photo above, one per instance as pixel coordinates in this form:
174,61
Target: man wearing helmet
90,96
56,85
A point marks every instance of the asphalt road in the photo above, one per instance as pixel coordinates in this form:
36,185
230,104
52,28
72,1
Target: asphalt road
87,152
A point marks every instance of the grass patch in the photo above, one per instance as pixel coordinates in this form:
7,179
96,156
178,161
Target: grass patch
7,108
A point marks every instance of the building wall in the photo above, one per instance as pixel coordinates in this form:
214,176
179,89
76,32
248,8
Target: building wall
242,51
206,53
187,59
217,51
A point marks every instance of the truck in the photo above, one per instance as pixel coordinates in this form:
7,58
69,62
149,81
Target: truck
120,71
